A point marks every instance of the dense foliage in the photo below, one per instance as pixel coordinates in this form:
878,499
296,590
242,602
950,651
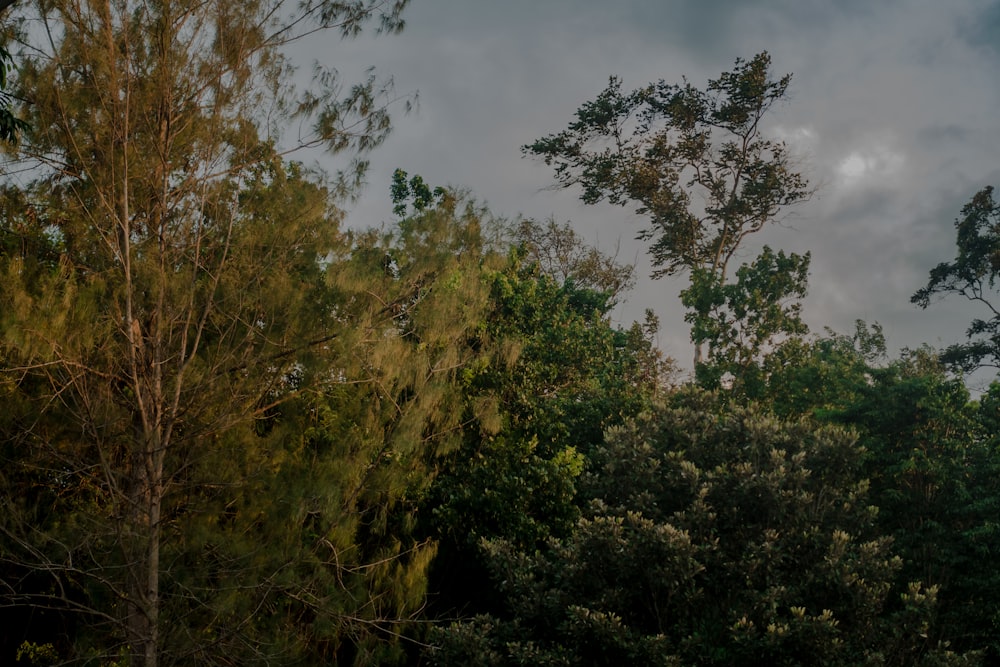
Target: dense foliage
235,432
711,536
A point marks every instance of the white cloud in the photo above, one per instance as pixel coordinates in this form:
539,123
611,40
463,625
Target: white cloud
798,138
868,166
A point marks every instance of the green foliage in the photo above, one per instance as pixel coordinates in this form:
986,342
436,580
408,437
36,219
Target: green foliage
291,536
663,145
744,321
234,433
973,274
560,375
413,193
163,300
932,457
551,375
713,535
695,162
817,377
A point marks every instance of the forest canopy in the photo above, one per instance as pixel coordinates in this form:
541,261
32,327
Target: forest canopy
238,431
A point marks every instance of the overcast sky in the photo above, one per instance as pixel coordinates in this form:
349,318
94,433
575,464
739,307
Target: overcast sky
894,109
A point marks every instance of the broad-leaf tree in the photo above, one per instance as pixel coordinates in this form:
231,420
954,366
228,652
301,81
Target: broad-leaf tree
551,374
973,274
745,322
697,163
821,376
931,455
713,536
932,459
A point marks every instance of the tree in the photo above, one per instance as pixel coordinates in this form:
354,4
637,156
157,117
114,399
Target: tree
696,162
187,298
713,536
551,373
973,274
930,455
820,377
411,300
746,321
290,535
557,375
562,255
932,459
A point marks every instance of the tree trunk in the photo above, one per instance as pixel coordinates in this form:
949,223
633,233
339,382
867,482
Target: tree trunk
143,555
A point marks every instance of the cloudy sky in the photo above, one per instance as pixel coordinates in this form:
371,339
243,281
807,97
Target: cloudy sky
894,109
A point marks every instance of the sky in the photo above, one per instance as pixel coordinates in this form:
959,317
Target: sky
893,112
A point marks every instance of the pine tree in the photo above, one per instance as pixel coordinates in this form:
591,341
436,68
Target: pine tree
163,285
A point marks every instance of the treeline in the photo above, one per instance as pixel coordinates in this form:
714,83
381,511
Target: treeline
236,432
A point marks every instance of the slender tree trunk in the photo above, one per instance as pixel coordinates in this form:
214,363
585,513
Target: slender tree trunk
152,647
143,553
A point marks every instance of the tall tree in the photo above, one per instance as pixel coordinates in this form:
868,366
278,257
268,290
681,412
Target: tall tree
696,162
187,292
973,274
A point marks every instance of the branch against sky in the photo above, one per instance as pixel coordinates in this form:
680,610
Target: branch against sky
973,274
695,162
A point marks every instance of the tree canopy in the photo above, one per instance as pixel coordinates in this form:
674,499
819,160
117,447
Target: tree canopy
696,162
181,297
239,431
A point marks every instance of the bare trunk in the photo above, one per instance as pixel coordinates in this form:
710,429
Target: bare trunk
152,593
143,554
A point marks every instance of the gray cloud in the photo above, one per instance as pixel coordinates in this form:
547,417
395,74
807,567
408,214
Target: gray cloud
892,108
983,28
